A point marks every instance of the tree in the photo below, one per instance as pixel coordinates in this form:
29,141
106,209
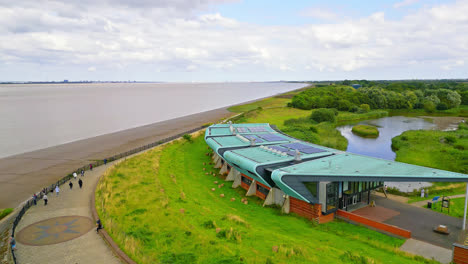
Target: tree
429,106
323,115
344,105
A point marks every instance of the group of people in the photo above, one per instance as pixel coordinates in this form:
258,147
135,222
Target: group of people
57,188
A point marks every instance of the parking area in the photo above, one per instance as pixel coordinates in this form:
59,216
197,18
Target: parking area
419,221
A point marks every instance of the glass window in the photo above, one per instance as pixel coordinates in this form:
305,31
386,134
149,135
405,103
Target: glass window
332,195
312,187
262,189
246,180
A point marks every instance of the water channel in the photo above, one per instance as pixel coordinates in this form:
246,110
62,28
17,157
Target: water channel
381,147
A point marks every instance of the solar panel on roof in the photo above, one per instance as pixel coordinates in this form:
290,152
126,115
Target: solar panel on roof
242,130
271,137
257,139
257,129
279,148
291,153
298,146
311,150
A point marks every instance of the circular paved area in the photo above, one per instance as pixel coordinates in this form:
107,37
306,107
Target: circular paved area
55,230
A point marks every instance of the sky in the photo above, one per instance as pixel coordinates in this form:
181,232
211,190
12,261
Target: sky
229,40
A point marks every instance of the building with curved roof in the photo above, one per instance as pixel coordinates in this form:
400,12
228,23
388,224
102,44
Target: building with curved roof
310,180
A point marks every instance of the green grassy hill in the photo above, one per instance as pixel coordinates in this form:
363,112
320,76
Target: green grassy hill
160,208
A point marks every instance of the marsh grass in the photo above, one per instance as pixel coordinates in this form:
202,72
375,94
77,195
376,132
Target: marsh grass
365,131
142,213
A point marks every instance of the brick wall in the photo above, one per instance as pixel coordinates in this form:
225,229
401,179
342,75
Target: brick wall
460,254
305,209
374,224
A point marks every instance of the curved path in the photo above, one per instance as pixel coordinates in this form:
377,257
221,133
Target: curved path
64,231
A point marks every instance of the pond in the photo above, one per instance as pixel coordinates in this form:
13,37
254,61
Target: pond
381,147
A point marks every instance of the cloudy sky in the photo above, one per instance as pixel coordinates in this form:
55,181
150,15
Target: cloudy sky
229,40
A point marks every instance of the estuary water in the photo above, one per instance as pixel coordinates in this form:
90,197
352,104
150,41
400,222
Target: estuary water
381,147
36,116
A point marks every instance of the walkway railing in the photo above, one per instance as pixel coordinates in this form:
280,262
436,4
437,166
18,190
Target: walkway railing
50,188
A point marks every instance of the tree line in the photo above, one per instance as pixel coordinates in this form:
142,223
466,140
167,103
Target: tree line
428,95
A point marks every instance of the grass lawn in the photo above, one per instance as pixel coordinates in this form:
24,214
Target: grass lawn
457,207
159,208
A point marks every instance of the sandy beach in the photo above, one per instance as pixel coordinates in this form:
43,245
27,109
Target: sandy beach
22,175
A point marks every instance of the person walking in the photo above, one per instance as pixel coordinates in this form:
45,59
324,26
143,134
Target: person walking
12,242
34,199
71,185
98,225
57,190
74,175
90,166
105,161
45,199
82,172
80,182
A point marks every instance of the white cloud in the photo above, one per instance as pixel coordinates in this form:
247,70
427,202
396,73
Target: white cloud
91,69
128,37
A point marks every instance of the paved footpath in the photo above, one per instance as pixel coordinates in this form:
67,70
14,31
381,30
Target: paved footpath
71,239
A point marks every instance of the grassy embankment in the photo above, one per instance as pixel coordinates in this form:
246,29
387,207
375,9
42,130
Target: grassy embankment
446,150
159,208
296,122
365,131
5,212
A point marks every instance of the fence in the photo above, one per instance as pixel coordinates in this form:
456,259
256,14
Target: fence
50,188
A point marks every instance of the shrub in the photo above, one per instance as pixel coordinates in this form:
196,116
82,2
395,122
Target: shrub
354,109
442,106
323,115
5,212
188,137
313,129
450,139
365,107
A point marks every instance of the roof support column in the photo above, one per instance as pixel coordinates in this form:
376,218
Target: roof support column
252,189
224,169
237,180
215,157
232,174
219,163
466,203
286,205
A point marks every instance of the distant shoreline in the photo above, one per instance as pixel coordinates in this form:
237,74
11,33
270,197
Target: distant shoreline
21,175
